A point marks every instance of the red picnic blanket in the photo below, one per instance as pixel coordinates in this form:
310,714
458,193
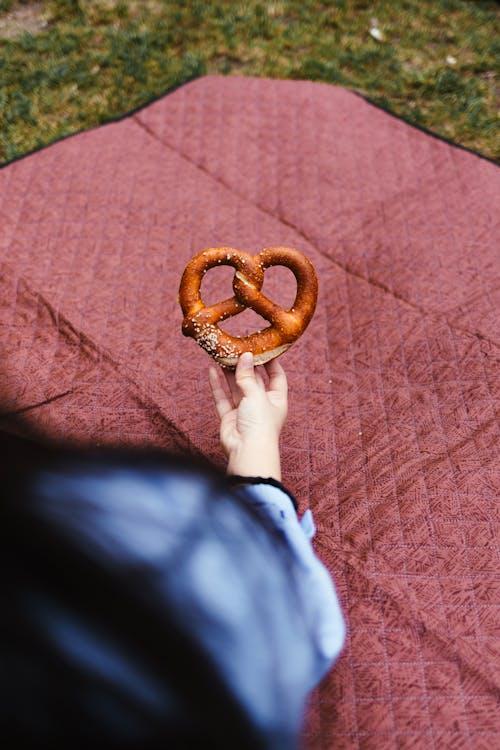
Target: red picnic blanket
393,431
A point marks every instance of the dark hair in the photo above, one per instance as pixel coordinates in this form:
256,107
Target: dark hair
49,571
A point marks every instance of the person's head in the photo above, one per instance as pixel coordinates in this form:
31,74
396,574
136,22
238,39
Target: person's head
146,604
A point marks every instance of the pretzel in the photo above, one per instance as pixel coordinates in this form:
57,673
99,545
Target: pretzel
285,327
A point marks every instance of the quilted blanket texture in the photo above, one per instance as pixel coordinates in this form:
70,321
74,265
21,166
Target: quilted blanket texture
392,437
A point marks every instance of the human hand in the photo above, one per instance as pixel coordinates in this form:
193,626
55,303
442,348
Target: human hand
252,413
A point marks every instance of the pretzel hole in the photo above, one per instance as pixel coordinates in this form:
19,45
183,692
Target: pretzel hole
244,323
280,286
217,285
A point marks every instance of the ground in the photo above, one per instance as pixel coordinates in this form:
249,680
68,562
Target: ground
66,65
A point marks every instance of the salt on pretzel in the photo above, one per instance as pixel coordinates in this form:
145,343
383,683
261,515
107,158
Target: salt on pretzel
285,327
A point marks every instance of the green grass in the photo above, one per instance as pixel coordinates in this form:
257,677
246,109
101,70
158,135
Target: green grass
80,63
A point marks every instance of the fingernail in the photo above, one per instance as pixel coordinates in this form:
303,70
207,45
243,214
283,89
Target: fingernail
246,359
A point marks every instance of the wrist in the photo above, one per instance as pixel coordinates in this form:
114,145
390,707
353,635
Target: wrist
256,456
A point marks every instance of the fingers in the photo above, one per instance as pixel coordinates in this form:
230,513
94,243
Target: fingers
277,377
245,381
259,377
221,400
235,391
245,375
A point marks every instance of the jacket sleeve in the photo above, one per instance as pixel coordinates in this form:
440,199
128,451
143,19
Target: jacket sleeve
319,597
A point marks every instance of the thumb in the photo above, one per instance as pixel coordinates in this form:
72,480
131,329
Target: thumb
245,374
